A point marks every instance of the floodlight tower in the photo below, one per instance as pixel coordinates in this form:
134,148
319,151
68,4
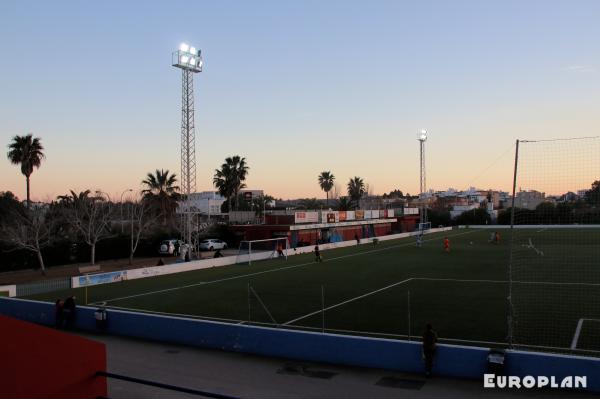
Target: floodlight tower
422,137
189,60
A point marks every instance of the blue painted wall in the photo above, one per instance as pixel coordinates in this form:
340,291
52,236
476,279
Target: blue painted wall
455,361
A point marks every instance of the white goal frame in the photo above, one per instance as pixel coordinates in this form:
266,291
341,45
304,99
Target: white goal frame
269,254
424,226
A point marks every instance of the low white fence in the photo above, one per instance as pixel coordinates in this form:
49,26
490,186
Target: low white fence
10,289
132,274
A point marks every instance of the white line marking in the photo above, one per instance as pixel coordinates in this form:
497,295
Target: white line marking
578,332
531,246
506,281
431,279
347,301
269,271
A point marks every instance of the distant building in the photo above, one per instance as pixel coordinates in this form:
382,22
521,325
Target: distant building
207,203
460,209
529,199
308,227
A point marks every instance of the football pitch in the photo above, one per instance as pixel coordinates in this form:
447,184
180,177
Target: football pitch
394,288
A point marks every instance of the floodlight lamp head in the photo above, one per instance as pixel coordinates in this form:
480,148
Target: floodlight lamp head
184,47
422,135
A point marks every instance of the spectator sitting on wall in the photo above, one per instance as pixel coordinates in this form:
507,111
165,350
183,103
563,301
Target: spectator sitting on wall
160,262
357,239
218,254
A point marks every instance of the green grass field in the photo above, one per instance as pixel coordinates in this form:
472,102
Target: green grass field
394,289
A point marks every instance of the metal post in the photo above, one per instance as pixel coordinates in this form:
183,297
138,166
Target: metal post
408,304
249,318
323,309
509,319
131,229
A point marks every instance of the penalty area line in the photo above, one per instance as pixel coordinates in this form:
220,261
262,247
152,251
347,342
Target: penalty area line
346,301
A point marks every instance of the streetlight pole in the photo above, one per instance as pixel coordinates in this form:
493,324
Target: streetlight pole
121,208
131,227
422,137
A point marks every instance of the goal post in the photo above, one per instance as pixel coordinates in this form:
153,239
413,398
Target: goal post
269,248
424,227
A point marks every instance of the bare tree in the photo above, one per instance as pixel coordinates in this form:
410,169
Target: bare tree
91,218
30,230
142,219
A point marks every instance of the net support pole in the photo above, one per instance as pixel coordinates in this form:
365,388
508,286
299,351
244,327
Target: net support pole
323,309
408,313
249,252
510,315
248,288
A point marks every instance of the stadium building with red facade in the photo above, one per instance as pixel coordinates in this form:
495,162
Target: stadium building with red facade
303,228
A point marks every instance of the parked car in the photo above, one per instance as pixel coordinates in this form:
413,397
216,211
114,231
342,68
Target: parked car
170,247
212,244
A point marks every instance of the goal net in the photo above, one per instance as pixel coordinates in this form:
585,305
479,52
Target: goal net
424,226
554,261
263,249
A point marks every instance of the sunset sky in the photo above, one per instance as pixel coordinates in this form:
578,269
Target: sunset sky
296,87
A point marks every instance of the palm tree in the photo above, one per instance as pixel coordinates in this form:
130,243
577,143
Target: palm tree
356,189
326,183
161,192
344,204
26,151
229,180
73,198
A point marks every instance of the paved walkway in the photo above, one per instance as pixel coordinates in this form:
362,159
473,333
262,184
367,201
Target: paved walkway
249,376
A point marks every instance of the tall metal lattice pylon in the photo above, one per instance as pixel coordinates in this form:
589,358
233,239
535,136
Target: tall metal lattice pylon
188,135
189,60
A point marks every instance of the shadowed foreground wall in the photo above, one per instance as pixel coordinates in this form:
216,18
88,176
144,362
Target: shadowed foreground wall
40,362
451,360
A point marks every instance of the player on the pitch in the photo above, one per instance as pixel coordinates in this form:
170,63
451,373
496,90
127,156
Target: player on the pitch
420,240
446,244
318,257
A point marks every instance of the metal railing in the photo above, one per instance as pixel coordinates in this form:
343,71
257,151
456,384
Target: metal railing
40,287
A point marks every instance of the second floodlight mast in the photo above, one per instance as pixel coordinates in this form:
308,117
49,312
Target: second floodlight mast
189,60
422,137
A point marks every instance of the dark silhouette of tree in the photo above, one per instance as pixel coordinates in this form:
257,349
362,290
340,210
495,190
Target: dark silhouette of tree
356,189
229,180
162,194
326,180
27,152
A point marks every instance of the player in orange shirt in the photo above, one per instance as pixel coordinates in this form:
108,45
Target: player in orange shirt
446,244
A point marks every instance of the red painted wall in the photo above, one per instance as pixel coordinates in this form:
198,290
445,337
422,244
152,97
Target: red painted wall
40,362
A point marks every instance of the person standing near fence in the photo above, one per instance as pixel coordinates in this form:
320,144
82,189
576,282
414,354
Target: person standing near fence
69,311
429,346
59,315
